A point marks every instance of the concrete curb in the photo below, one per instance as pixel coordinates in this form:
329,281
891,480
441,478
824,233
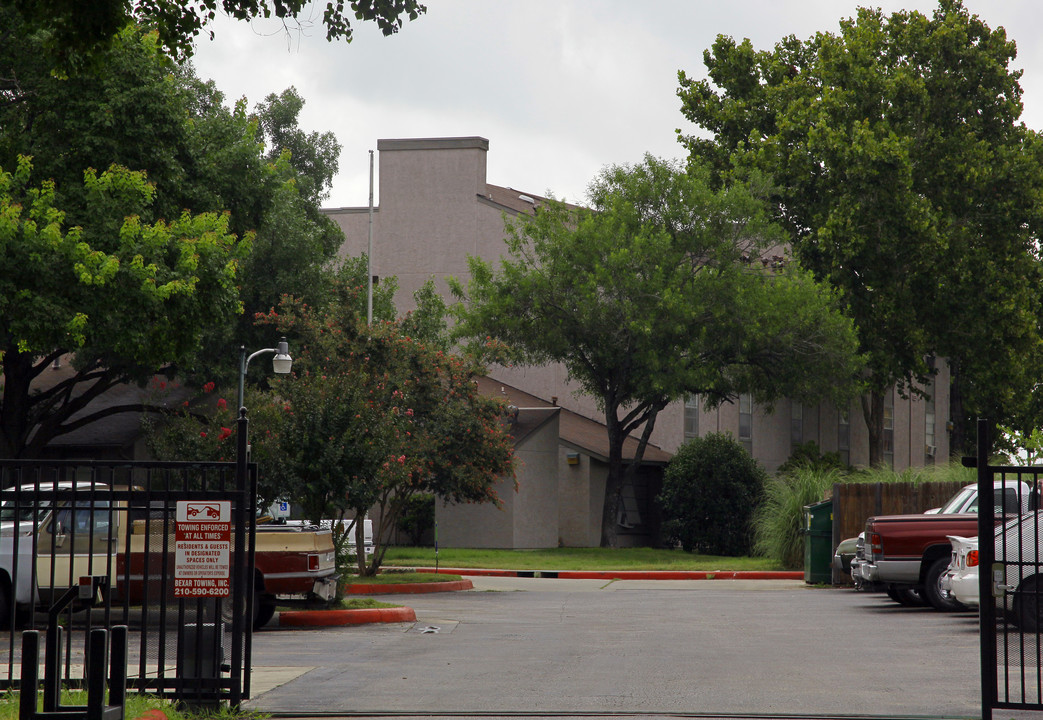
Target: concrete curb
329,618
626,574
407,588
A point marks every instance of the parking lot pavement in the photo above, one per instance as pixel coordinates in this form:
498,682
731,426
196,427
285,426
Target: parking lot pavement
567,647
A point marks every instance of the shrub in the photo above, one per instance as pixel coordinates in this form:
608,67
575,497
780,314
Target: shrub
808,456
417,518
709,492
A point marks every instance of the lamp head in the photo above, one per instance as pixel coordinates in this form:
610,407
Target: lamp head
282,362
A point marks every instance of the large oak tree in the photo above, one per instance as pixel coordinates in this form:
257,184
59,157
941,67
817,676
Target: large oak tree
906,181
75,30
197,155
655,292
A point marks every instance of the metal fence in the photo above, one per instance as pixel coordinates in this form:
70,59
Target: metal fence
94,545
1010,586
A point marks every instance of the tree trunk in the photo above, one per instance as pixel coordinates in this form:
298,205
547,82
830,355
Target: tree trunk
961,441
360,543
613,486
14,405
873,413
619,473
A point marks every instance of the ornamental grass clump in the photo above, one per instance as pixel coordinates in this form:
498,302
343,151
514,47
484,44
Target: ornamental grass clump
778,520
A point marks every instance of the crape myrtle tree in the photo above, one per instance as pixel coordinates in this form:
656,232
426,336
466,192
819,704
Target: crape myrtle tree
656,292
371,417
905,180
122,296
375,415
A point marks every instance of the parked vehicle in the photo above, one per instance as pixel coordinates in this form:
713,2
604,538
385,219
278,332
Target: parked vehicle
102,538
1017,545
960,581
845,553
912,552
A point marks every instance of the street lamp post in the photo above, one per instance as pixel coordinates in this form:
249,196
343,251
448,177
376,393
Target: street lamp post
281,363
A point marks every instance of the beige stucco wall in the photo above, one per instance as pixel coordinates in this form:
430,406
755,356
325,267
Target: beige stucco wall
581,492
529,517
771,432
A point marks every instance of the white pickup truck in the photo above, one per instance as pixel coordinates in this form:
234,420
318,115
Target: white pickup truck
89,537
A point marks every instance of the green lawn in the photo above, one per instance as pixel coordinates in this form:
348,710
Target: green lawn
571,559
137,704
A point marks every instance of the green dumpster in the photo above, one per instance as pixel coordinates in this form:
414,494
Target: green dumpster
818,542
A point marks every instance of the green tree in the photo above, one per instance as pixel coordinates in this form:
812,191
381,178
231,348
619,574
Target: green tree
146,113
375,416
372,417
59,287
710,490
314,156
905,181
654,293
75,30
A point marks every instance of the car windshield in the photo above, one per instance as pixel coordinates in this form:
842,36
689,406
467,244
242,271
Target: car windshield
23,512
966,501
959,500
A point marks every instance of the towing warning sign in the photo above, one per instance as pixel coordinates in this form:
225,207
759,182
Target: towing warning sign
202,548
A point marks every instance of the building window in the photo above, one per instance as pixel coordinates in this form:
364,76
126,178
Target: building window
930,442
844,435
796,424
746,421
691,416
889,428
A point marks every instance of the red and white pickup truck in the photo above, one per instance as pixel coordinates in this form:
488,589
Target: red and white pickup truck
912,552
101,538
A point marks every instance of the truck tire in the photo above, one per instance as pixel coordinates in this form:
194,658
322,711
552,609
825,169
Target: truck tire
910,597
5,606
264,610
932,588
1027,608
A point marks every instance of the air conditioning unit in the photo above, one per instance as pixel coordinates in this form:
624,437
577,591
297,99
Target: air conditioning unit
931,449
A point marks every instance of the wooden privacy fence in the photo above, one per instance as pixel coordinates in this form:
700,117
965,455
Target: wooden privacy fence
853,503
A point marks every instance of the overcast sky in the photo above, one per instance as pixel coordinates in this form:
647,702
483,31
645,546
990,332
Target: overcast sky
560,88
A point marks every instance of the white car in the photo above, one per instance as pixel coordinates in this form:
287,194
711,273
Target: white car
1018,544
961,579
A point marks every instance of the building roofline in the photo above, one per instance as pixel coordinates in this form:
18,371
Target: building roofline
444,143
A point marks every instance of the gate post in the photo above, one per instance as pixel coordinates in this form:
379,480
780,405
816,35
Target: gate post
987,558
242,582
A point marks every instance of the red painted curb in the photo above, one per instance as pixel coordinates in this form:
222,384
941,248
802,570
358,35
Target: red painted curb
407,588
327,618
628,574
154,714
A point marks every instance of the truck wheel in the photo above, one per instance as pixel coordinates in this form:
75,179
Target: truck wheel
264,610
228,610
933,591
907,596
1027,605
5,606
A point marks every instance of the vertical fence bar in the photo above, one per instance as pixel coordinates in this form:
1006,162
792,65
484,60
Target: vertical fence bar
987,557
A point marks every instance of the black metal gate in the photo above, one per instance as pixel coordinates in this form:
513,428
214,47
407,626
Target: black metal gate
1010,585
91,545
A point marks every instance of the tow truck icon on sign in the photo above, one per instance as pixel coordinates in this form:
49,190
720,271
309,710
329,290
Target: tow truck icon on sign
206,509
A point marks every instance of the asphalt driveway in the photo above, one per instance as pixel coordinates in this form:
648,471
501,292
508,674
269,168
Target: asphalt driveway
524,646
